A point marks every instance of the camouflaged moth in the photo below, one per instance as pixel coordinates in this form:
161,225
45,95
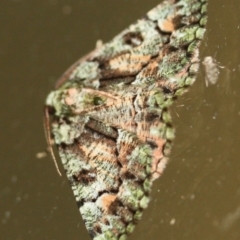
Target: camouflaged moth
109,115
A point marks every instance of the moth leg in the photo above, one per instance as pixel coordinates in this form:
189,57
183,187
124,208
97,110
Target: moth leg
99,93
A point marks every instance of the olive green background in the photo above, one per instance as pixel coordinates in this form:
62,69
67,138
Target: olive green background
198,197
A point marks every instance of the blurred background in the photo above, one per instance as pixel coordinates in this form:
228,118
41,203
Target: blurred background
198,196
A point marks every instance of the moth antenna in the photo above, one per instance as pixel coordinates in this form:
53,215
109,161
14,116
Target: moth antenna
46,122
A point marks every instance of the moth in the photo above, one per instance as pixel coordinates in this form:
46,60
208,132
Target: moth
109,114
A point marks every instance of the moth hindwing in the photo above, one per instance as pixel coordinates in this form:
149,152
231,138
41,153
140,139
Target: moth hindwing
110,119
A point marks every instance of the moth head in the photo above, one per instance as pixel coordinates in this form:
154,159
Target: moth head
74,100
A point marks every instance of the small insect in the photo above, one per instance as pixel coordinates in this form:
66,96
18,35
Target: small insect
211,70
109,114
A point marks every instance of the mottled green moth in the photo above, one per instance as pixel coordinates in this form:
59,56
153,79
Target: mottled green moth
109,114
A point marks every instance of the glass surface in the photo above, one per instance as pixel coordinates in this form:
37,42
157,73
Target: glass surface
198,196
